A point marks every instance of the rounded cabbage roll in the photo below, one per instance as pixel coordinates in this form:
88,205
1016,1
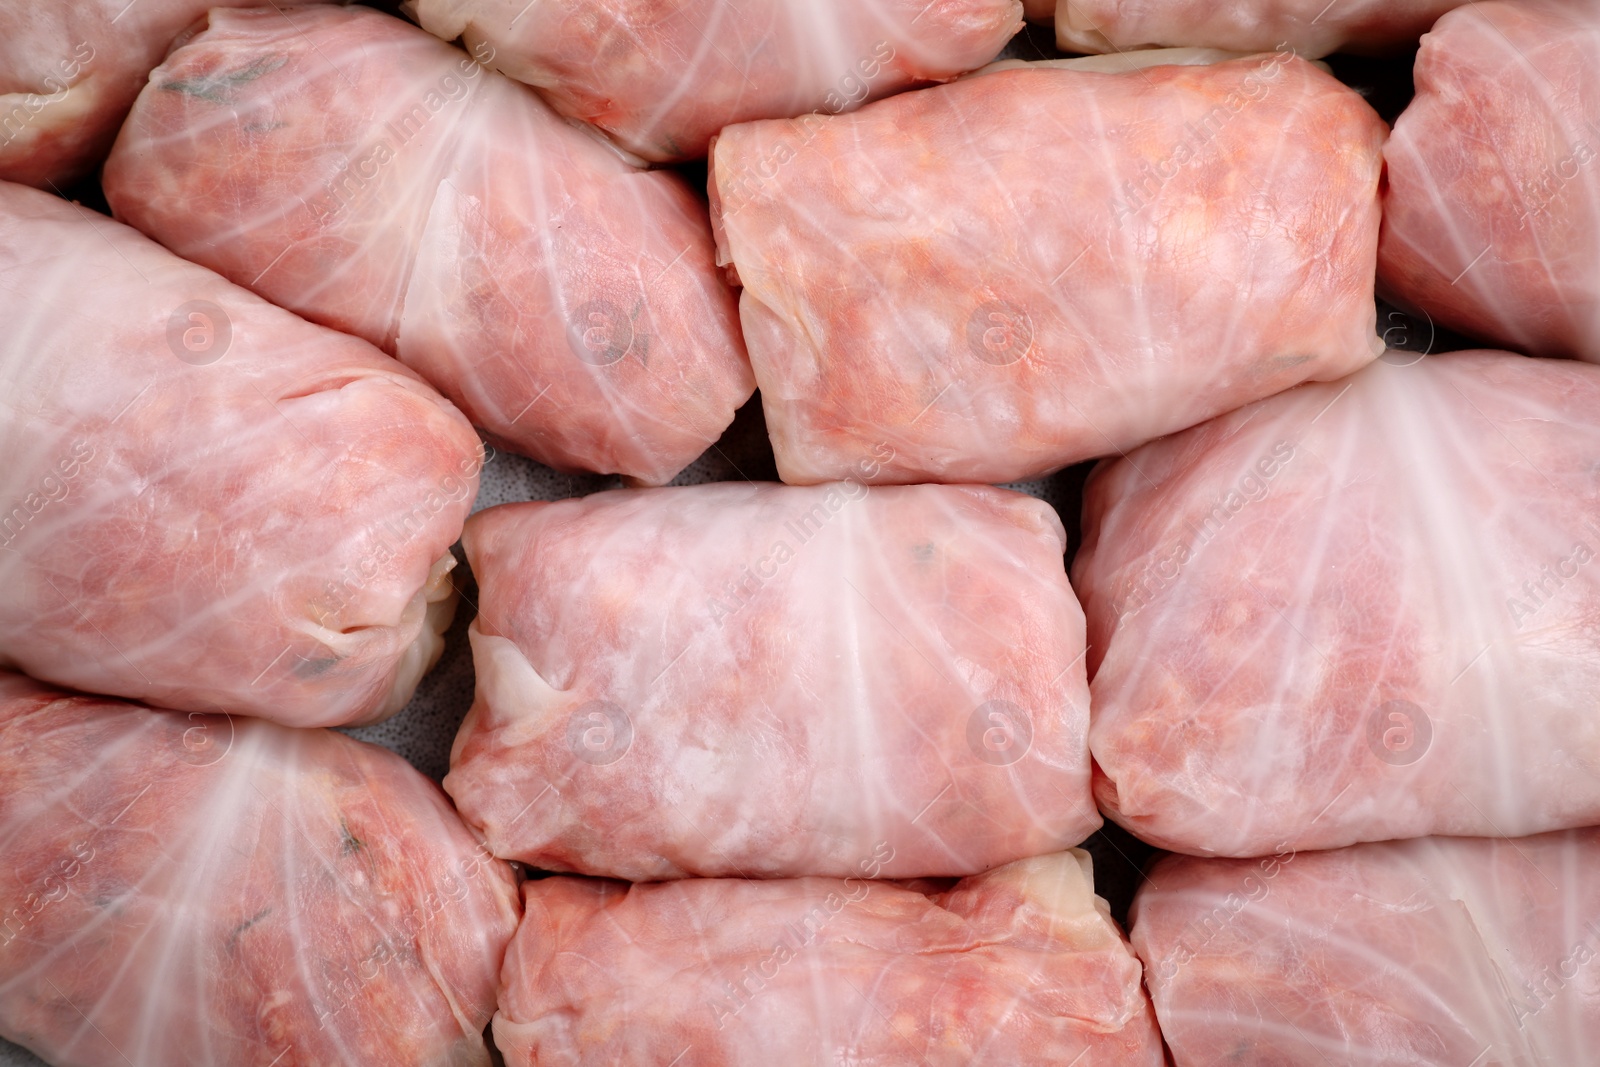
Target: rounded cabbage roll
1492,211
1462,951
768,681
1019,967
206,502
69,72
1354,612
1035,266
188,890
1310,27
663,79
352,168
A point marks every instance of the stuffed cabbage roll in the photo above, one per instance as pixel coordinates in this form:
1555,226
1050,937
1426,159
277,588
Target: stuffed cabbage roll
352,168
187,889
1492,212
663,79
767,681
1353,612
69,72
207,502
1466,952
1018,967
1031,267
1310,27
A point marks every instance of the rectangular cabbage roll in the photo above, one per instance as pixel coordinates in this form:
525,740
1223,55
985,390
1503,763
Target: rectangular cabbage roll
1031,267
767,681
1354,612
1019,967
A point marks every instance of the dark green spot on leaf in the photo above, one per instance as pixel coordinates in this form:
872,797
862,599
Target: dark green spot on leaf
217,88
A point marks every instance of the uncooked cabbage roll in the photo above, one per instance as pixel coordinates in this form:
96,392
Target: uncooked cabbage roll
1031,267
1492,210
1439,951
1019,967
1310,27
663,79
206,502
70,71
352,168
188,890
768,681
1354,612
